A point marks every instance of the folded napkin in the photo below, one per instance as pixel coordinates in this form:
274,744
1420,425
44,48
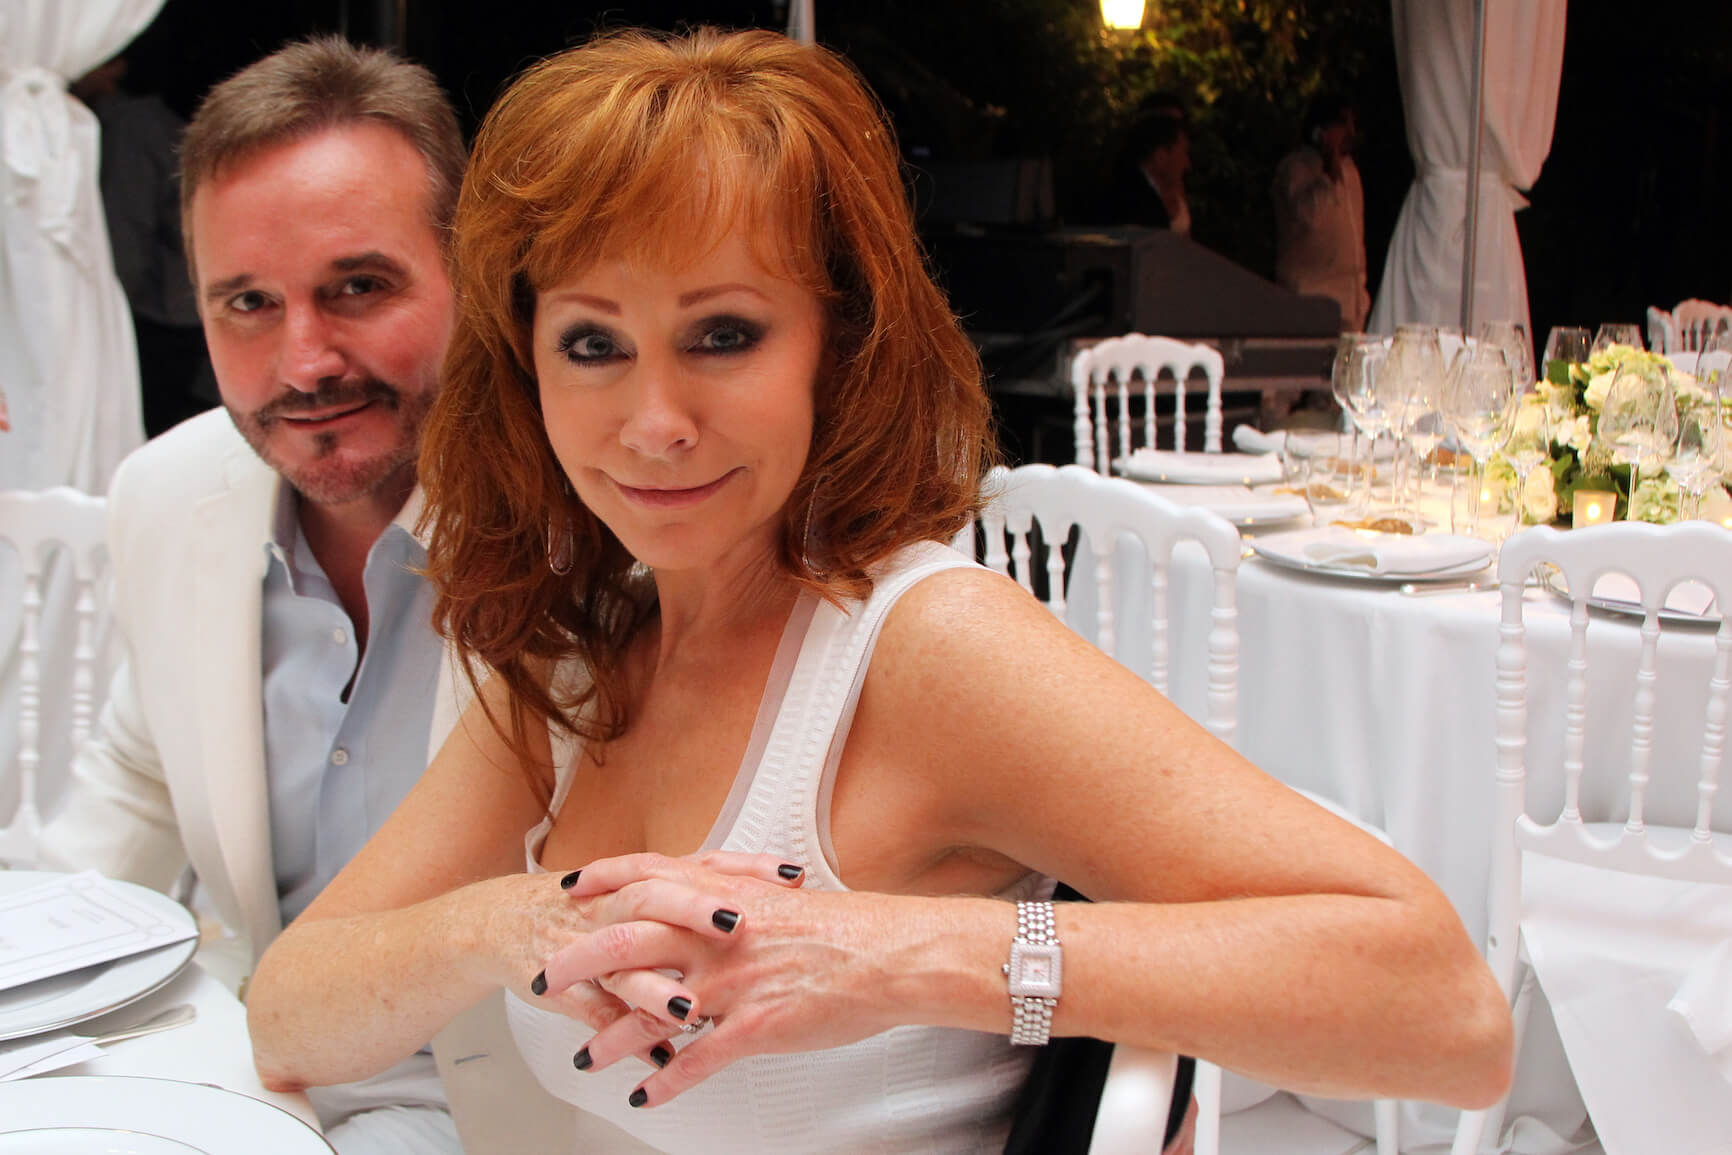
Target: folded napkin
1161,465
1704,1002
1249,440
1392,554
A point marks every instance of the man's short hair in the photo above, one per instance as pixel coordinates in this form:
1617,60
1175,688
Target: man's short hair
309,87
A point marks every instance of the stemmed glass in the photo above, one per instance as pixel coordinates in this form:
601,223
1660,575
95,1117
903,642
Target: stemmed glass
1639,420
1617,333
1408,388
1566,345
1696,455
1512,338
1477,401
1358,364
1712,362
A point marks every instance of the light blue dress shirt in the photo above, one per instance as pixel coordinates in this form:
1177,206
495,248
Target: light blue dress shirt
339,762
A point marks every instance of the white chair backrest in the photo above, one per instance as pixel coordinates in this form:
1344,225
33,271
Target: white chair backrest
59,538
1657,558
1695,321
1108,509
1117,360
1662,334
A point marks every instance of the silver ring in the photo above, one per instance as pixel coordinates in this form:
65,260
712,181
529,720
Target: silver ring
698,1025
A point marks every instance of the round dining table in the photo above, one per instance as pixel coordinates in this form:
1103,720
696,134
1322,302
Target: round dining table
1383,701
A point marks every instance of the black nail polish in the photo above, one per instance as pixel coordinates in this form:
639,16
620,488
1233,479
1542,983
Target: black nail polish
569,880
538,984
725,920
679,1007
660,1056
582,1061
789,871
638,1097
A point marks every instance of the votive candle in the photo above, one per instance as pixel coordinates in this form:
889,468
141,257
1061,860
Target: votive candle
1593,507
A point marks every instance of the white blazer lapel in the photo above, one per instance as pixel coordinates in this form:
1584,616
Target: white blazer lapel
228,573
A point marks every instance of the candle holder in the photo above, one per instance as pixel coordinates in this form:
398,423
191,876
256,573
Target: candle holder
1593,507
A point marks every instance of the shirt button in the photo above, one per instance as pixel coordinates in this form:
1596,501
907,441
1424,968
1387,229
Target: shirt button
340,636
339,757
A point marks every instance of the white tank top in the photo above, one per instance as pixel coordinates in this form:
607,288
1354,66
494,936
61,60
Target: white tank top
908,1090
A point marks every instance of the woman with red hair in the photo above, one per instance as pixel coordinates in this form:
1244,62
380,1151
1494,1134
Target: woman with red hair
797,777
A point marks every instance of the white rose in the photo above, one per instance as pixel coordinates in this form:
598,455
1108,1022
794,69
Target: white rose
1539,498
1600,384
1530,418
1576,433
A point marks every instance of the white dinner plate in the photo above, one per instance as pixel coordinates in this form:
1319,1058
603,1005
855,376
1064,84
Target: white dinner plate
124,1115
1552,581
1361,574
50,1004
1245,507
1170,468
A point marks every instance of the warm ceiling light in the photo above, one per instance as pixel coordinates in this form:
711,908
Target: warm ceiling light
1122,13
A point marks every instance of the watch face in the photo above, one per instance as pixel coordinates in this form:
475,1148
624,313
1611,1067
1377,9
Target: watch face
1035,970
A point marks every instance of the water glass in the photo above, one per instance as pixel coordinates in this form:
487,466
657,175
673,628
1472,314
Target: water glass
1477,404
1512,338
1639,420
1566,345
1617,333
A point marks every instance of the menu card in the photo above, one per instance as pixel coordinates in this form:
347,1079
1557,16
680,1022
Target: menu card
77,921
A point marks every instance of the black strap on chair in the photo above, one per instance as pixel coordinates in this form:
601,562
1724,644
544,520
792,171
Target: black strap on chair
1055,1111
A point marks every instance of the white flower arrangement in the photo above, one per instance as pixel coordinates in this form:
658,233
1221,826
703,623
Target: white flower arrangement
1575,460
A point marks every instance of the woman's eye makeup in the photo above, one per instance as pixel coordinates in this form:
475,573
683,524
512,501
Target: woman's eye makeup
727,334
589,345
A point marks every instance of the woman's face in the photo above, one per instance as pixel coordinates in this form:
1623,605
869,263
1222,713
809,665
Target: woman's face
679,400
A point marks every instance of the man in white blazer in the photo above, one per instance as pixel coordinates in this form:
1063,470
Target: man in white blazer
282,686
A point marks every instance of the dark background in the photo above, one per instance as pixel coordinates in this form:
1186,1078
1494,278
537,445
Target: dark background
1628,211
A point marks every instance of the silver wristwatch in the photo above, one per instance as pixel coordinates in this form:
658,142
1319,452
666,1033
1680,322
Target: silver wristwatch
1035,969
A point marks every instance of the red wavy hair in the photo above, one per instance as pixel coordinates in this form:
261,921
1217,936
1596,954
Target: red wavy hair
609,151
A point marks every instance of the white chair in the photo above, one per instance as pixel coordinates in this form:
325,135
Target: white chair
1688,326
1543,870
59,537
1040,503
1117,360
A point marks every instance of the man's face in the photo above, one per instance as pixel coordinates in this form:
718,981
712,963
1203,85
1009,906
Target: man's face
326,306
1340,137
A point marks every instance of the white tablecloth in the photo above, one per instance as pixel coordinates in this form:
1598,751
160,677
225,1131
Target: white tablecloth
1385,704
212,1049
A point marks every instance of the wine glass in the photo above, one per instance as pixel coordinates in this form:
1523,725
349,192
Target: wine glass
1358,363
1408,387
1696,455
1566,345
1616,333
1477,401
1512,337
1713,361
1527,441
1639,420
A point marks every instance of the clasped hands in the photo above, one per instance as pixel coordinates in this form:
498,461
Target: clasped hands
723,947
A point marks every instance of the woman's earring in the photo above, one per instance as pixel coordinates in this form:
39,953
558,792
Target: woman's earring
559,548
806,532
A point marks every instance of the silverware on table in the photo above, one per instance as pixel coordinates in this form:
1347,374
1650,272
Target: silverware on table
1430,589
178,1015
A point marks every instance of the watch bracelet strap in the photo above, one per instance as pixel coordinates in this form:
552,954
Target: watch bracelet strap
1031,1017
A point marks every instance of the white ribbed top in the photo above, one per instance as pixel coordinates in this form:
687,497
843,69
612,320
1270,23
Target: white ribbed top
908,1090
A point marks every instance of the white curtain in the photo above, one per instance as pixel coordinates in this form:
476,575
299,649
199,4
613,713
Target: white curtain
1524,55
68,365
67,361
